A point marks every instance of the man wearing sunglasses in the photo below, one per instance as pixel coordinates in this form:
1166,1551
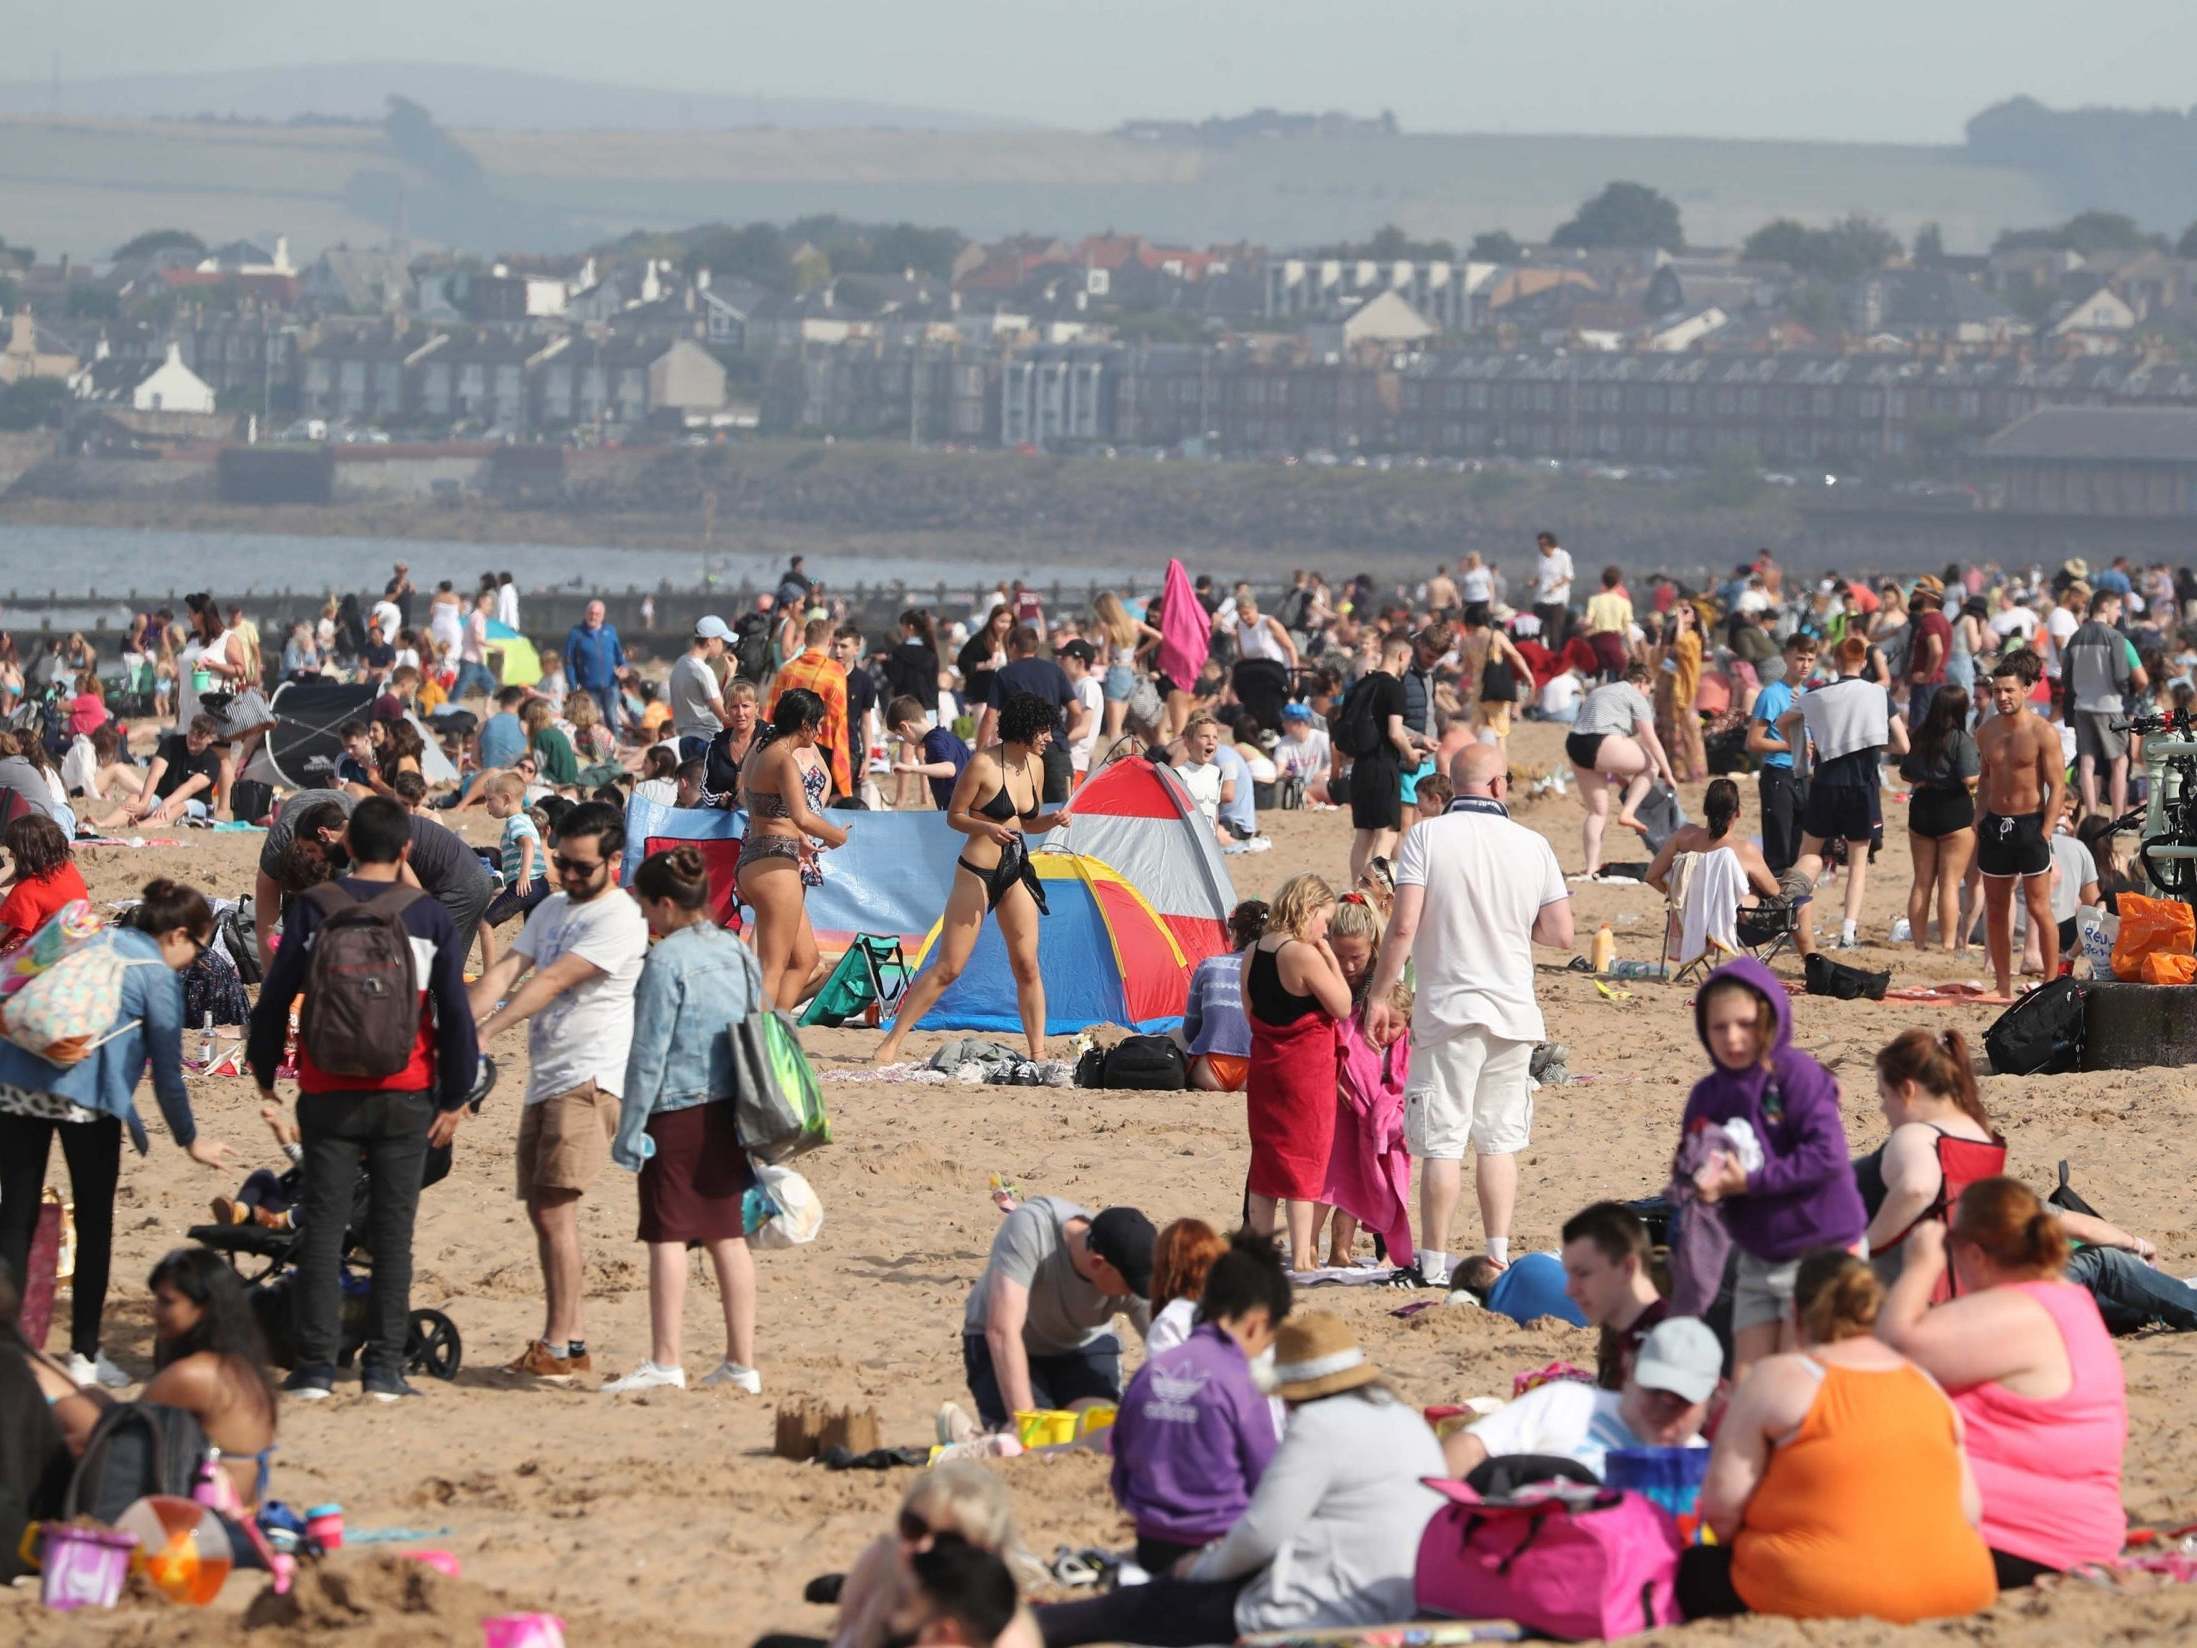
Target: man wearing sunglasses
584,946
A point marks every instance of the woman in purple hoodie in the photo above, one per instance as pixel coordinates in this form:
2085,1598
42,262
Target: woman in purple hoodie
1787,1187
1195,1433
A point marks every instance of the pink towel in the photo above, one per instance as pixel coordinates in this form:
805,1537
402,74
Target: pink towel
1186,629
1368,1168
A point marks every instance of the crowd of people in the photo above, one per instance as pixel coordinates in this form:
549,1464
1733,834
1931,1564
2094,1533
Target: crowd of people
1820,1317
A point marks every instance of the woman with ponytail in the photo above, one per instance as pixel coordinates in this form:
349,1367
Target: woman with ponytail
1720,811
1838,1488
783,782
1941,1140
675,1118
2033,1372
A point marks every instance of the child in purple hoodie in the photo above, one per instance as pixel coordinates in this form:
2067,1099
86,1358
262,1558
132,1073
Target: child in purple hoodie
1801,1196
1195,1433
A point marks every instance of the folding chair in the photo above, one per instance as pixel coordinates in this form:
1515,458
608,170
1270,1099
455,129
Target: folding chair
1766,929
1696,880
867,982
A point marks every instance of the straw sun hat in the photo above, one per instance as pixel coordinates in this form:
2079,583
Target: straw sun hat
1316,1354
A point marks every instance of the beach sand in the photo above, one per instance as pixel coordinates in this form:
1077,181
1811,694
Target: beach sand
665,1514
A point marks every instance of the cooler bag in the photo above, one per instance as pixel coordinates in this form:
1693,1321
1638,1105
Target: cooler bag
1575,1562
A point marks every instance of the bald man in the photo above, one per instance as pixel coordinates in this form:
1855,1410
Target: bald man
1474,893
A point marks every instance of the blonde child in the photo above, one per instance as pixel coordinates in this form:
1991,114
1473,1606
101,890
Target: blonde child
525,870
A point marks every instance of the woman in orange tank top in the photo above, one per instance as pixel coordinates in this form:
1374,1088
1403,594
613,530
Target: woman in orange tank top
1838,1485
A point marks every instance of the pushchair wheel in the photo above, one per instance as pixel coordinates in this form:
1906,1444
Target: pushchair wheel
432,1346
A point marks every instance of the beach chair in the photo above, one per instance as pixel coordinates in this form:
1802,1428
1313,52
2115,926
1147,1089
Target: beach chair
868,980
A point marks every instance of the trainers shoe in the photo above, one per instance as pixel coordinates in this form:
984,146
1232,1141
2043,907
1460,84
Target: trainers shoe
955,1425
309,1385
388,1387
97,1370
229,1211
1411,1276
732,1373
648,1376
538,1362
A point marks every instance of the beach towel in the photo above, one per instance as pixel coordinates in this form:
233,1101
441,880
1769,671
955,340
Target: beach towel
1711,914
1186,632
1368,1168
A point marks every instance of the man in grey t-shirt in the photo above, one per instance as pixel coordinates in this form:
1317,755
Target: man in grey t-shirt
697,703
1038,1329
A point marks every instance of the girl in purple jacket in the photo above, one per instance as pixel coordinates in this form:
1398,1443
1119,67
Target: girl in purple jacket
1194,1432
1791,1190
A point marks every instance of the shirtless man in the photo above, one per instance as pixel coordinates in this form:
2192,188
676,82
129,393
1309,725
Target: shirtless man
2022,785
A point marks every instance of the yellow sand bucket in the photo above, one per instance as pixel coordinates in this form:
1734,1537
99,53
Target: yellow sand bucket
1043,1427
1095,1419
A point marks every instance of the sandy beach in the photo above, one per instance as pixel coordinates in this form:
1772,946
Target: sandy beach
664,1517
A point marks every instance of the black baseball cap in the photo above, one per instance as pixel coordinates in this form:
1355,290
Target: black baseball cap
1124,1238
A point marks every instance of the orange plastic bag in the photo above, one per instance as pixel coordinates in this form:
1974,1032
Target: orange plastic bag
2158,969
2162,927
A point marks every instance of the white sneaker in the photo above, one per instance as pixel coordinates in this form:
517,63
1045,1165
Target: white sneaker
648,1376
732,1373
86,1371
1463,1300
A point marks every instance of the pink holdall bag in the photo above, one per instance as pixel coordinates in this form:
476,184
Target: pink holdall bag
1564,1559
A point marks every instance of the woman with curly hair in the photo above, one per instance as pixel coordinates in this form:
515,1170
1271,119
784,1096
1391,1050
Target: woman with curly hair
996,805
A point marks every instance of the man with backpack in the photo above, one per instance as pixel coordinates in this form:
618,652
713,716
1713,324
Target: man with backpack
386,1057
585,944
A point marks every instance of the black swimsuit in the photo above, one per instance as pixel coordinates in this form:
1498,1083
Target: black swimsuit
1014,856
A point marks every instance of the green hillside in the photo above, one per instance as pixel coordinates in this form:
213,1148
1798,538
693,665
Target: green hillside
84,186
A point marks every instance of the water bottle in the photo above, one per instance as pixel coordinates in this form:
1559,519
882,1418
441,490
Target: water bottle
206,1041
1604,950
1634,970
1901,932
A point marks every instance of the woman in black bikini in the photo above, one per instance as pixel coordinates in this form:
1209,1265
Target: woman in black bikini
1942,764
995,804
782,785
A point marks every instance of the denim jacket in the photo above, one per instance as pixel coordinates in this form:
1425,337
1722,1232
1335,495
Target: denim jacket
152,1014
695,987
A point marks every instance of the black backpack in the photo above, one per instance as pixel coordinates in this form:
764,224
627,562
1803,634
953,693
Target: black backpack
1358,731
362,984
2040,1035
751,646
136,1449
1146,1064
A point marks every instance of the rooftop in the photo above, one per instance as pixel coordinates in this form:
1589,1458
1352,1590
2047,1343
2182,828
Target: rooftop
2126,434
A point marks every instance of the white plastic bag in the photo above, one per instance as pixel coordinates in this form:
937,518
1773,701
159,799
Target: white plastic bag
2097,929
798,1213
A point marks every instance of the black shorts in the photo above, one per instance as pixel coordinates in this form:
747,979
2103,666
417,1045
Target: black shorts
1840,812
1935,813
1584,748
1376,794
2011,847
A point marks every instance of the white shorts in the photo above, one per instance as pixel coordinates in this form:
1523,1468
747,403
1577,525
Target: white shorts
1470,1088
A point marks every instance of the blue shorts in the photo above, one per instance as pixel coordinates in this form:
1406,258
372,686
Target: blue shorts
1121,683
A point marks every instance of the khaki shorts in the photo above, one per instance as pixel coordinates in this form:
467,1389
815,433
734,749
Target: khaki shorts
1762,1291
1469,1089
564,1142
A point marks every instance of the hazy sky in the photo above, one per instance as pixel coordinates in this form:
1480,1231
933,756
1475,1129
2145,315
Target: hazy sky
1897,70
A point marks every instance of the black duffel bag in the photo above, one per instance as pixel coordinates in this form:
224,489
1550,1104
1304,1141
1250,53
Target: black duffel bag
1843,983
1146,1064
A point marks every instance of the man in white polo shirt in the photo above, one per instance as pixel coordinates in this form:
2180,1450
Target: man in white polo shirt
1474,893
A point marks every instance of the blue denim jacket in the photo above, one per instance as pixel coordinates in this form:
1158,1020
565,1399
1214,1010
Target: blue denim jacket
152,1011
695,987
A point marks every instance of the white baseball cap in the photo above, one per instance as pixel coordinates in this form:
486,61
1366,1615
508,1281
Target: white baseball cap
1681,1356
711,629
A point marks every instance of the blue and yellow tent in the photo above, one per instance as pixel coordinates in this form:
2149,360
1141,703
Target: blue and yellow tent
1103,951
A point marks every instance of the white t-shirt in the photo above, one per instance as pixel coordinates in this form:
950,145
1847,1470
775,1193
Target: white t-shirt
1486,878
2078,868
1203,780
1091,695
586,1033
2014,621
1552,578
2061,625
187,664
1559,700
473,649
1563,1417
1307,758
507,605
446,622
388,618
1476,584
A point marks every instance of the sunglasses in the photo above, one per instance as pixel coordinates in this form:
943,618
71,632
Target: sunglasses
573,867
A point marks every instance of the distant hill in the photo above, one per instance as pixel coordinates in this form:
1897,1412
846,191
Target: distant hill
460,94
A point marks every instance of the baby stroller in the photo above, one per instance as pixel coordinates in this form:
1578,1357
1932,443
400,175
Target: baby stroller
432,1345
